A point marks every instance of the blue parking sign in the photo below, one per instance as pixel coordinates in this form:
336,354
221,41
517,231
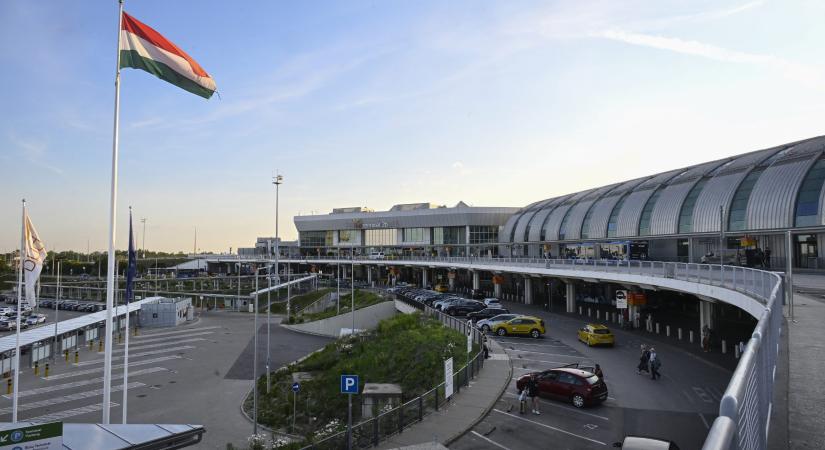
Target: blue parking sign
349,384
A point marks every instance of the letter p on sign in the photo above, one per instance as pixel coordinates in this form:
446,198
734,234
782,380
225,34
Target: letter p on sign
349,384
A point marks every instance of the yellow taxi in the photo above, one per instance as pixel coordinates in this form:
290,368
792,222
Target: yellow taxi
441,288
529,325
595,334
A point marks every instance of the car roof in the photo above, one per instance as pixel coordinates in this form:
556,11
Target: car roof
529,317
597,326
577,372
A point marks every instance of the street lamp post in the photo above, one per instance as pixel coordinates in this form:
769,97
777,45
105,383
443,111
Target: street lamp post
277,181
255,356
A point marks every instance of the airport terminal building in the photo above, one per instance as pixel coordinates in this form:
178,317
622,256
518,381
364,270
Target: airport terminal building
744,204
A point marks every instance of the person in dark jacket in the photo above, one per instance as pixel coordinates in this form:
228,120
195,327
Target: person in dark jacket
655,363
598,372
643,360
533,393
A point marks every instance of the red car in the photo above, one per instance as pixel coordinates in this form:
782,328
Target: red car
577,386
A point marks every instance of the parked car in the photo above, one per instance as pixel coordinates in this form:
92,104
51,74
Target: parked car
529,325
7,325
462,307
576,386
441,288
476,294
486,313
486,325
35,319
5,311
492,301
645,443
595,334
444,302
376,255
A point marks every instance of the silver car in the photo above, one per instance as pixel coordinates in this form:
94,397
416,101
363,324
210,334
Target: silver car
486,325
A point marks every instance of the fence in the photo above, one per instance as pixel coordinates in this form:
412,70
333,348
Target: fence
389,423
745,408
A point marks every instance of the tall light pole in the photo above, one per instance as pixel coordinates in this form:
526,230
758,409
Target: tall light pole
277,180
255,356
143,221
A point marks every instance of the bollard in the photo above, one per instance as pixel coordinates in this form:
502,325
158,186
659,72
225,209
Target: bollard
657,328
691,336
100,345
76,356
580,310
724,347
91,345
36,368
597,314
736,351
135,330
46,373
667,330
679,333
119,338
589,313
8,386
66,354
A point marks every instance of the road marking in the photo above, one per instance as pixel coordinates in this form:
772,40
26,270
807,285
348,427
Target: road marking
541,361
512,342
702,394
74,384
163,339
548,426
543,402
690,399
170,333
489,440
60,415
716,394
78,373
67,398
141,347
548,354
704,421
136,355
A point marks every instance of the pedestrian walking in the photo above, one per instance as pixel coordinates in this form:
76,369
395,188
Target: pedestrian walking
655,363
706,339
522,401
767,262
598,372
643,360
484,347
533,393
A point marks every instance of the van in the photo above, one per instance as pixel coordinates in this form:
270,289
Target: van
377,255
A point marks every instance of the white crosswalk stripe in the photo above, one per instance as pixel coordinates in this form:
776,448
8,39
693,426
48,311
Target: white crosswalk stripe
166,339
60,415
170,333
74,384
137,355
78,373
142,347
67,398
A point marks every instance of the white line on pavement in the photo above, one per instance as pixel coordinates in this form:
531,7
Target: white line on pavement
170,333
162,339
542,361
74,384
60,415
704,421
489,440
566,408
67,398
548,426
141,347
690,399
548,354
513,342
78,373
137,355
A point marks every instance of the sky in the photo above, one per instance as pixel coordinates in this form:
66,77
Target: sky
374,103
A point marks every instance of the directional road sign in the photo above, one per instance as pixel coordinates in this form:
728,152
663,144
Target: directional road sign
296,387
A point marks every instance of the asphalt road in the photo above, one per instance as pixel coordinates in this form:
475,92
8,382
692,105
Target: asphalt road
679,406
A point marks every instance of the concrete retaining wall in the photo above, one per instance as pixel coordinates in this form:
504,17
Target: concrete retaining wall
365,319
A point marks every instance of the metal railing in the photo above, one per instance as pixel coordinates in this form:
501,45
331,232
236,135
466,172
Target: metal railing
745,407
372,431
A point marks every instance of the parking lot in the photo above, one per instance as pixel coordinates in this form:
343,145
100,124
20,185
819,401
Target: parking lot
50,316
679,406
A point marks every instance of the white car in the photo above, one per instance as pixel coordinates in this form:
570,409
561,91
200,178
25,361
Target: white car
5,311
35,319
377,255
492,302
486,325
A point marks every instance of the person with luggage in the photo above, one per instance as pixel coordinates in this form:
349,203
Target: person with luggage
655,363
644,357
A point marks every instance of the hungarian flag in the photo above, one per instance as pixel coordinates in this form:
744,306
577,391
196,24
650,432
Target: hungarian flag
144,48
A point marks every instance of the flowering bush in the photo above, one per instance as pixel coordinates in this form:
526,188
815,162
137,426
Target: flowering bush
256,442
332,427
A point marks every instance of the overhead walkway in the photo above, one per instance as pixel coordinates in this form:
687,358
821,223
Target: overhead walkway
86,436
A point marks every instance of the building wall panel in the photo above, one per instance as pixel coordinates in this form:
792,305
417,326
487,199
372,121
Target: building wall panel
628,222
773,197
573,226
719,190
665,217
600,216
551,227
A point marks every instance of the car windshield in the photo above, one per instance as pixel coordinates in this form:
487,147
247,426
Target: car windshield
501,317
592,379
601,331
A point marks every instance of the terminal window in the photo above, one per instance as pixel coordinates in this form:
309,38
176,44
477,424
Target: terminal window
483,234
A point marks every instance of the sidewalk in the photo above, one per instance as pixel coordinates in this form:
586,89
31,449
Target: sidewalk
806,423
466,408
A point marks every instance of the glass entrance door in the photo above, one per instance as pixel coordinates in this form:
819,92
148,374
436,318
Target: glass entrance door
806,251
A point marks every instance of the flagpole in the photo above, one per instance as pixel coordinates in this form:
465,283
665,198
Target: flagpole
126,344
110,276
19,299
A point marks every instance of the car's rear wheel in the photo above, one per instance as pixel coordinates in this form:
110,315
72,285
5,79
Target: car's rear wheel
535,334
578,401
501,332
485,328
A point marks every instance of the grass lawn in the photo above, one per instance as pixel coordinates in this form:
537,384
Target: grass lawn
362,300
300,302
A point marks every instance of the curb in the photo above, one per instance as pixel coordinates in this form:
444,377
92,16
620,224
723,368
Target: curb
487,410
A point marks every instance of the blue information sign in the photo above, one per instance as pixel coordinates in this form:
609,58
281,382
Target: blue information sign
349,384
296,387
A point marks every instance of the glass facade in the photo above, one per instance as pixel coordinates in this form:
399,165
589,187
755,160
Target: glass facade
586,222
449,235
381,237
483,234
807,203
612,222
647,212
316,238
416,235
348,237
686,213
737,215
563,227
